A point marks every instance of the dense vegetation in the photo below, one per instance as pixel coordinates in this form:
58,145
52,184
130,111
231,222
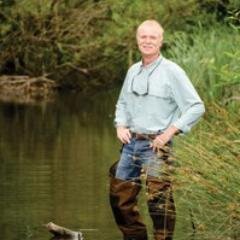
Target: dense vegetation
89,44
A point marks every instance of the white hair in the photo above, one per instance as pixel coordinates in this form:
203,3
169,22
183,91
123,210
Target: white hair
151,22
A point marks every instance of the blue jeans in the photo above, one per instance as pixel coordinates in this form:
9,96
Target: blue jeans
138,157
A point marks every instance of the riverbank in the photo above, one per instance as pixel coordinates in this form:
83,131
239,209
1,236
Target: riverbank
27,90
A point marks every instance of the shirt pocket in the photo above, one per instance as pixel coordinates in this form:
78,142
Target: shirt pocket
160,91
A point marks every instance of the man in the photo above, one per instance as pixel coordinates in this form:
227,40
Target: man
157,101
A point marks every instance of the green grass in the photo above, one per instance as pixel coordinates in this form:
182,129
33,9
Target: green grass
212,60
207,178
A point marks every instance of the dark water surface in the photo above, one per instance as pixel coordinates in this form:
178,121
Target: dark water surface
54,167
54,161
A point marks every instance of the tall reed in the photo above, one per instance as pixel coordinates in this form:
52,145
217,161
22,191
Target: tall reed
207,178
211,57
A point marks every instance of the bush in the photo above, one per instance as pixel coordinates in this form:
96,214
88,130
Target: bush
91,41
212,60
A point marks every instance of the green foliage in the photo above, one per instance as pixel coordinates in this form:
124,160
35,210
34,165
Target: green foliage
207,178
88,44
212,60
93,41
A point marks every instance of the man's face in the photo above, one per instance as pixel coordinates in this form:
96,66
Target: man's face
149,40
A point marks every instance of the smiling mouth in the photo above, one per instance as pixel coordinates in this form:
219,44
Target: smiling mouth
147,47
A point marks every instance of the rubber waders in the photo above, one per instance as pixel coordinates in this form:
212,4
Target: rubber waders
123,201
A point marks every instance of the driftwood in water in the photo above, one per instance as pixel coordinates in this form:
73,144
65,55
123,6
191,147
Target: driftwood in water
60,232
26,89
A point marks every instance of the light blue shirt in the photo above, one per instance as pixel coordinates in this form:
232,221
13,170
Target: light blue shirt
157,96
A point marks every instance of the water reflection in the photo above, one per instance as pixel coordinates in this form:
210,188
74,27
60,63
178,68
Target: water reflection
54,162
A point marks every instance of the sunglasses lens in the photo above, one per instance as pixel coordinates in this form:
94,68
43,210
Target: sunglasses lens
140,85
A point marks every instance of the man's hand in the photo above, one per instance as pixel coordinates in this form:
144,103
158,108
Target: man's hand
123,134
160,141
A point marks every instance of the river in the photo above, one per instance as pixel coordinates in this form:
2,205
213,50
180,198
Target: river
54,167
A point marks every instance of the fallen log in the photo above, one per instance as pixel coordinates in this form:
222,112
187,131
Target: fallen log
25,89
26,84
60,232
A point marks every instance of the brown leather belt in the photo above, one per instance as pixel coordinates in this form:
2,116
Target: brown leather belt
143,136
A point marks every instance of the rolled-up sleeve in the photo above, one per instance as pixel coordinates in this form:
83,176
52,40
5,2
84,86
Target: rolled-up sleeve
121,118
187,99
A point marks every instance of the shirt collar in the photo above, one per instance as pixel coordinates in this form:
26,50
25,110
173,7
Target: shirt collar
151,65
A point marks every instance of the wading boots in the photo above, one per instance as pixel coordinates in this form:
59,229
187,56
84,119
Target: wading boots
123,200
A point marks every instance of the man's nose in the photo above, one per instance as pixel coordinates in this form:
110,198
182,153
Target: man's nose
148,40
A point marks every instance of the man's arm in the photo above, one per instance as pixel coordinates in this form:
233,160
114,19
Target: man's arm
187,99
189,103
121,118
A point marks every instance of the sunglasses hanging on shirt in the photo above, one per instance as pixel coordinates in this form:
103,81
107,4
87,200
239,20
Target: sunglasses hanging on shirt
140,81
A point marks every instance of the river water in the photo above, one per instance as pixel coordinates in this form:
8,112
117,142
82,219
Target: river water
54,166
